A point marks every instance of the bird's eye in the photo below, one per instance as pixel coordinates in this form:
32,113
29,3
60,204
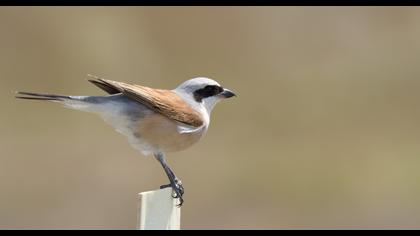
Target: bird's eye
213,89
208,91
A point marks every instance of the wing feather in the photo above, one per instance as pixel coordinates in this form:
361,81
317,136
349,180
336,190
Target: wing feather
163,101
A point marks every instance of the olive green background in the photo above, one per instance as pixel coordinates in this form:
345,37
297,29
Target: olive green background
324,133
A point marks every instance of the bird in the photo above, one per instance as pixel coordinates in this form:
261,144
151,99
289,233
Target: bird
154,121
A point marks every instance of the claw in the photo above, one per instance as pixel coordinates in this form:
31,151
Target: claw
181,200
165,186
179,186
178,191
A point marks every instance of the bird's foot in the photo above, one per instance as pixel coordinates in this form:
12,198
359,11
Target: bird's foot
178,190
179,187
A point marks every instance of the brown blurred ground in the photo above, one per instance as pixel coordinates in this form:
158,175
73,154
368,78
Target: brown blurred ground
324,133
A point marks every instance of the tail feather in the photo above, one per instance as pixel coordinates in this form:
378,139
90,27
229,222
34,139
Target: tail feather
38,98
82,103
42,96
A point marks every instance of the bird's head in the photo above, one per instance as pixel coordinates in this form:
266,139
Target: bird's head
204,91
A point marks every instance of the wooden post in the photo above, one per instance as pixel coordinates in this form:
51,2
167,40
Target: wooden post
157,210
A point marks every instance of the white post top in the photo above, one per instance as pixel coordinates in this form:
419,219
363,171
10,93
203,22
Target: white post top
158,210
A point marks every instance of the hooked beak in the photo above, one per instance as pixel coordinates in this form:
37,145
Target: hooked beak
227,93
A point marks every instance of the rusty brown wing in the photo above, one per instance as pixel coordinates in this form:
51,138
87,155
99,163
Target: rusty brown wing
162,101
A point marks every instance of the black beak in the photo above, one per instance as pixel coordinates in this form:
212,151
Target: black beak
227,93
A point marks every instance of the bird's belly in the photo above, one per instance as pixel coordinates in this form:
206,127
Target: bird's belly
163,134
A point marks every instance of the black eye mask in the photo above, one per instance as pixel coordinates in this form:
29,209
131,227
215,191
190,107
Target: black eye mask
208,91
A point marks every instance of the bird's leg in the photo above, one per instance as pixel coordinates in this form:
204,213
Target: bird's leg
175,183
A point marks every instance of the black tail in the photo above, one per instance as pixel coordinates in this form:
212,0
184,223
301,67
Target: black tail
42,96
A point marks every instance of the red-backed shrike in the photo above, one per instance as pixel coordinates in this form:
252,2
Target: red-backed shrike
155,121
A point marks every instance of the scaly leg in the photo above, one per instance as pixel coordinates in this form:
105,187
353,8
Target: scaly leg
175,183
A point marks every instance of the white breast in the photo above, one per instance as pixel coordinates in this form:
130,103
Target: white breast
147,131
164,134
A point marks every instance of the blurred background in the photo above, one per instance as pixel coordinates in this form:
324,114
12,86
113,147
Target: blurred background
324,133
